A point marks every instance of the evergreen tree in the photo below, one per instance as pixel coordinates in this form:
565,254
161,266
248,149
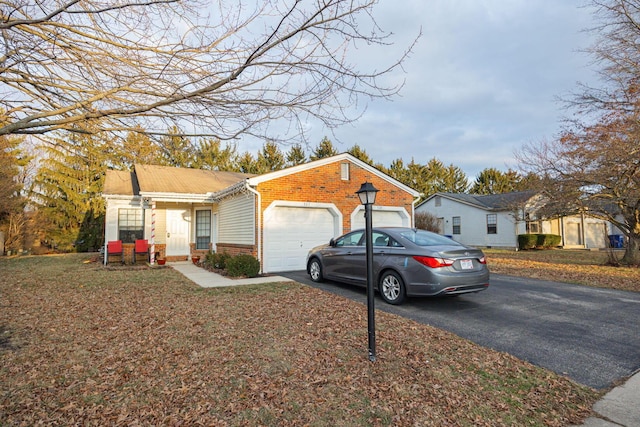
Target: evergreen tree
398,171
324,149
359,153
453,180
245,163
67,190
270,158
176,150
296,155
11,160
493,181
211,156
138,148
13,220
430,178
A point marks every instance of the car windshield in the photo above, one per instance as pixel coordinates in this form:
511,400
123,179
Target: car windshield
425,238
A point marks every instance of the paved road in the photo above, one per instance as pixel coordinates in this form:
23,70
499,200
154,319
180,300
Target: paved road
591,335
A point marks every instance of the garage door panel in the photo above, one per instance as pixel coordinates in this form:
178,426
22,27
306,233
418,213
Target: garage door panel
289,234
380,218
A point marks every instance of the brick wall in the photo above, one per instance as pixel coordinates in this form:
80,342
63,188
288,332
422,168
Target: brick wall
324,184
234,250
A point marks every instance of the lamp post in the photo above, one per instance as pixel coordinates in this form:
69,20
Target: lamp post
367,195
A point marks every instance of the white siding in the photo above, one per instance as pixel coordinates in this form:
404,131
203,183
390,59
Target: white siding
111,215
473,223
237,220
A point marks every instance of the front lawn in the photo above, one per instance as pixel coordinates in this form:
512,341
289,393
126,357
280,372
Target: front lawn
562,265
83,344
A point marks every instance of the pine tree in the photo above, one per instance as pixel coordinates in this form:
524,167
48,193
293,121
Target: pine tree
324,149
67,190
245,163
177,150
494,181
138,148
296,155
211,156
359,153
270,158
13,218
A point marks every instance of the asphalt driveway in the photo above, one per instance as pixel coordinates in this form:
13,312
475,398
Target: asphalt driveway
591,335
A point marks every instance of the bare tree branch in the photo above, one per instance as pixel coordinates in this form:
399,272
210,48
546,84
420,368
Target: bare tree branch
221,68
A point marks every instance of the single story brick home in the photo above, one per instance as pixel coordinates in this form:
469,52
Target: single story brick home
276,217
496,220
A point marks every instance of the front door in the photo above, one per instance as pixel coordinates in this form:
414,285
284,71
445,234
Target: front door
178,231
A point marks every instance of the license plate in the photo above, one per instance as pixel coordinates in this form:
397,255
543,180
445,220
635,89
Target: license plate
466,264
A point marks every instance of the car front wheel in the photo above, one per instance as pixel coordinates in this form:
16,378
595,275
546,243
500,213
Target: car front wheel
315,270
392,288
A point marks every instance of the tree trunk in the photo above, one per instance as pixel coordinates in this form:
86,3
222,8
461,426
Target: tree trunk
632,253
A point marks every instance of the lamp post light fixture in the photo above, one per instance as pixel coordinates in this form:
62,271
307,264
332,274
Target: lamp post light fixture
367,195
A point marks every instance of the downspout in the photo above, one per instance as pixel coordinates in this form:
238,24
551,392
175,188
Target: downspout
259,212
413,209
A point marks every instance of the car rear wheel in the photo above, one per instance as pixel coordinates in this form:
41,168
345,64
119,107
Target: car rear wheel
315,270
392,288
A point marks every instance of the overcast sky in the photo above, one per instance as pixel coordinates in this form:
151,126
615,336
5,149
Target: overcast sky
482,81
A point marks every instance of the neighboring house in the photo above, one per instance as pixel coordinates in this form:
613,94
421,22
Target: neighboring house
276,217
496,220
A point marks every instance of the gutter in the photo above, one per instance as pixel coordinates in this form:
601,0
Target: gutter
238,187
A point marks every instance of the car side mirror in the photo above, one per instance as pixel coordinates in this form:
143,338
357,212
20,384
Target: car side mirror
332,243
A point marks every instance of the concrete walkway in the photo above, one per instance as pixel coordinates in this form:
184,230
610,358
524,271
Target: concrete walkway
619,407
209,279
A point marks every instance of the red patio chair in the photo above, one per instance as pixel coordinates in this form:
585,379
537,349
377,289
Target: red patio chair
114,248
141,248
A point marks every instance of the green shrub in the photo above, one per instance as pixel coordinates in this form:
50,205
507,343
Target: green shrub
527,241
216,260
243,265
532,241
548,240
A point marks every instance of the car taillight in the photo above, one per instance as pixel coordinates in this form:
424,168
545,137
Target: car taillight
482,260
433,262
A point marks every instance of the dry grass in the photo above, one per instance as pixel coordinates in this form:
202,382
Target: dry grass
571,266
82,344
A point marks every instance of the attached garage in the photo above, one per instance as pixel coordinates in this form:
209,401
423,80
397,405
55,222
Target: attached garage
306,205
291,229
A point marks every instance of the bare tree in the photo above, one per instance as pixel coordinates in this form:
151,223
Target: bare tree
594,164
594,170
220,68
616,53
427,221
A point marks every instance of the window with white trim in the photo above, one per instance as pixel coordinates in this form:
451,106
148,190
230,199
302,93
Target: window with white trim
203,229
455,221
492,224
130,225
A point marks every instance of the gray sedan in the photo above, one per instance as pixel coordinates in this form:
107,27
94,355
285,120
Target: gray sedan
406,262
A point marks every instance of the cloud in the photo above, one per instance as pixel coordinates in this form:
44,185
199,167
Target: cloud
482,81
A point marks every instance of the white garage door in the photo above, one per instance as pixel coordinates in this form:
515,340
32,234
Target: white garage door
289,233
381,218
